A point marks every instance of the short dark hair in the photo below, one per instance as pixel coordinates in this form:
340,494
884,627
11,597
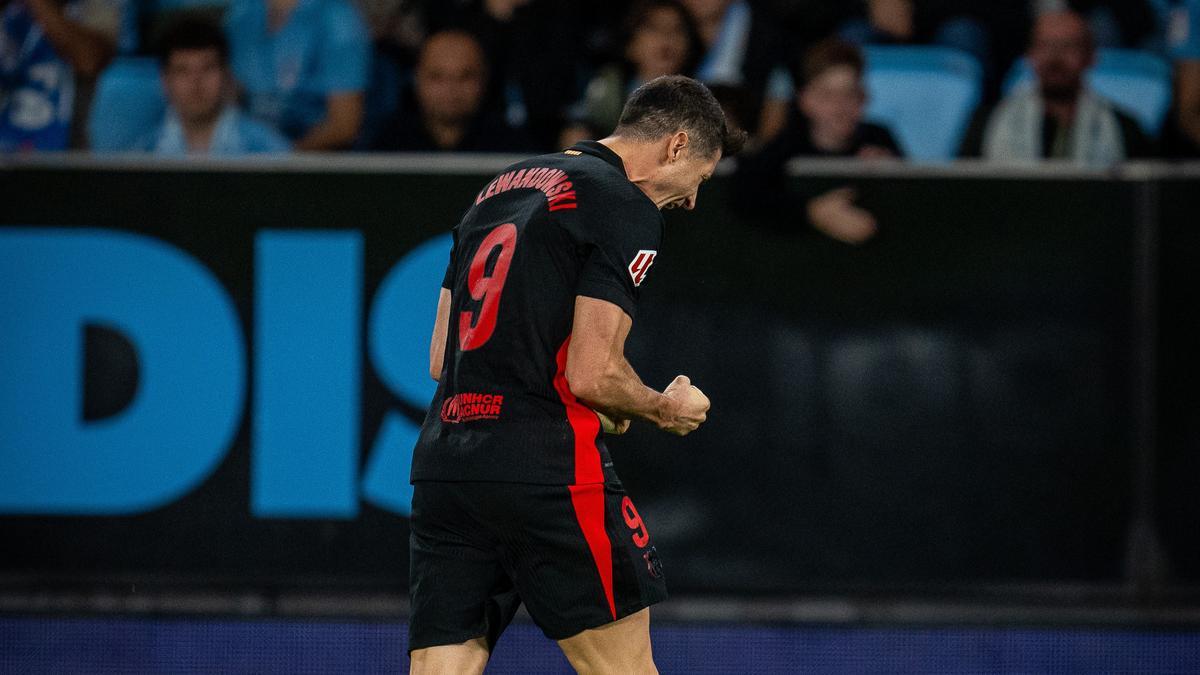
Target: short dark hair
192,32
674,103
828,54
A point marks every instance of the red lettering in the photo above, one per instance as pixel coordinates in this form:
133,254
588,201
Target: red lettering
544,180
504,182
551,182
642,536
563,200
558,187
532,177
561,197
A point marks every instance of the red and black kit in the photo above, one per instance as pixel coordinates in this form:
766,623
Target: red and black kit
515,496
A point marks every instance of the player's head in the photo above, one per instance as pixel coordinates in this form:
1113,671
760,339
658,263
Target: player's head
194,57
451,77
683,126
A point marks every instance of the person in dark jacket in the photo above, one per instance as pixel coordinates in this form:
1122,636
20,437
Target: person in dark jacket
1061,117
660,39
447,111
827,121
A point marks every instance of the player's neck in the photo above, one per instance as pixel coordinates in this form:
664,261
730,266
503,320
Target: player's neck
641,164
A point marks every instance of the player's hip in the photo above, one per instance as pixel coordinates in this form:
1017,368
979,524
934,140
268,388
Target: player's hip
578,555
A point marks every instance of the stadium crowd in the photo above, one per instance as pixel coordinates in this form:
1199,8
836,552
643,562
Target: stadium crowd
246,76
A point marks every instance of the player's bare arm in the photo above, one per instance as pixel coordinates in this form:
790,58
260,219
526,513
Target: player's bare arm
441,327
599,374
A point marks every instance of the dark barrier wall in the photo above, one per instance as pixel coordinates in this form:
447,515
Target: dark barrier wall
1178,466
216,377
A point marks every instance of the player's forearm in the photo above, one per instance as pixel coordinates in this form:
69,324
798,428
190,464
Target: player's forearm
619,393
437,342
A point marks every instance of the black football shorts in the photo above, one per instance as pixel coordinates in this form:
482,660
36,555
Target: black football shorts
578,556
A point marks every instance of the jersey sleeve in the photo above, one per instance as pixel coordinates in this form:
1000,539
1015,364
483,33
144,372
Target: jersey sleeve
620,237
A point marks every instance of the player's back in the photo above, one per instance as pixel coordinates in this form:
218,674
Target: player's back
542,232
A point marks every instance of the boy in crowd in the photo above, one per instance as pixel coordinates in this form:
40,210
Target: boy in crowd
200,117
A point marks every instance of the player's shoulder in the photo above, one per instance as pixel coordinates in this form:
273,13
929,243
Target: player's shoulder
603,183
584,185
581,167
595,164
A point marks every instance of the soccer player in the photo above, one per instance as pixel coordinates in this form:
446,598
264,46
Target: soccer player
515,497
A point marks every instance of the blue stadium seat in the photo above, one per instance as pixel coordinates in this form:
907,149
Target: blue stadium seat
1137,82
925,95
128,104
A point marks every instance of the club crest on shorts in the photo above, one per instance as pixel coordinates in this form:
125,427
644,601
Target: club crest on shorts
653,564
640,265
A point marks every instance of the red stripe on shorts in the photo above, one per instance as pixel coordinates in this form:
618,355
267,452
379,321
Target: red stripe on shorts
587,494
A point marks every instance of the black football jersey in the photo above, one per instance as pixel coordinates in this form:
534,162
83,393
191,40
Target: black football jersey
539,234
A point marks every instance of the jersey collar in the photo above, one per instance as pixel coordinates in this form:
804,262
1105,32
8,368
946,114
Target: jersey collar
602,151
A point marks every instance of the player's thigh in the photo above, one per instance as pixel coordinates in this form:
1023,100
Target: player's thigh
468,657
581,557
459,590
622,646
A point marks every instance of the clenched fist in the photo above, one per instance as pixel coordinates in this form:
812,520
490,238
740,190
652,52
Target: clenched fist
691,407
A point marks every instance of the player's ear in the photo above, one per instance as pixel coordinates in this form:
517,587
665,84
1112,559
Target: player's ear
679,143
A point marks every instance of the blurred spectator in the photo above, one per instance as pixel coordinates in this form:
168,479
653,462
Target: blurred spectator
303,65
660,40
741,46
398,27
535,51
1183,39
1114,23
153,18
1060,118
984,29
50,51
826,122
200,117
959,24
450,82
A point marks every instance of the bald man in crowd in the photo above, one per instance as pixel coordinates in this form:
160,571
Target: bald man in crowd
446,112
1060,117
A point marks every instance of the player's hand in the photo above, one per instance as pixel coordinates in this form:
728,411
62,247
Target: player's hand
612,427
692,407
